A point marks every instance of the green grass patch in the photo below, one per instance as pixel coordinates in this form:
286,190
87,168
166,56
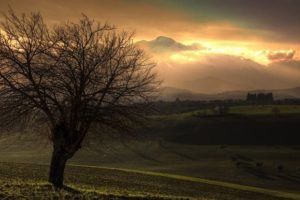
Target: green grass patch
265,109
250,110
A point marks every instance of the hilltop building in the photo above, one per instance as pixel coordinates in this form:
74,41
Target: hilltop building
260,97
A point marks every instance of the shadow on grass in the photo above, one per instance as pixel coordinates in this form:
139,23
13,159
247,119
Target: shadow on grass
70,189
248,165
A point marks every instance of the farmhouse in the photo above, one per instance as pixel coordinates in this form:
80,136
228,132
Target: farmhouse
260,97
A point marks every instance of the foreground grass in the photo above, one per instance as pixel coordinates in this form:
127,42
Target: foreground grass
210,182
27,181
21,189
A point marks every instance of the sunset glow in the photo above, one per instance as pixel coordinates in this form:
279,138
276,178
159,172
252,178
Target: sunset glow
259,56
192,41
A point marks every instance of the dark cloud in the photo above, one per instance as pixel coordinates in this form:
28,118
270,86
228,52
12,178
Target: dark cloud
277,56
271,20
146,20
280,17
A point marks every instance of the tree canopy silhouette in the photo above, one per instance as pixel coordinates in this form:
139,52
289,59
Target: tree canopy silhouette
71,77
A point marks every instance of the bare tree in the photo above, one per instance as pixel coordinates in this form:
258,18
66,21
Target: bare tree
71,78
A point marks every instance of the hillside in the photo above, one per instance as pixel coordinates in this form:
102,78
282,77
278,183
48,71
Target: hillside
194,144
171,93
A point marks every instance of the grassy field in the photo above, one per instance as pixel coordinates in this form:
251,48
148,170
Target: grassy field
247,110
27,181
265,110
250,125
229,164
168,159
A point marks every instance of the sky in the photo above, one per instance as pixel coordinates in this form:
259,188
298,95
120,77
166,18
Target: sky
266,32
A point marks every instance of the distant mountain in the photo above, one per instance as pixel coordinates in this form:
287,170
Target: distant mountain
165,44
221,73
214,85
170,94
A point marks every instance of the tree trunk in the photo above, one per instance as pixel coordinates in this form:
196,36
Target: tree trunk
57,167
63,149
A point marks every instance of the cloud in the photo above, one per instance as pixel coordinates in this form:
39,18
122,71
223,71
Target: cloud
145,19
282,55
214,73
190,53
219,69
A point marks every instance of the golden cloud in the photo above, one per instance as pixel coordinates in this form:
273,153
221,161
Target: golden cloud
281,55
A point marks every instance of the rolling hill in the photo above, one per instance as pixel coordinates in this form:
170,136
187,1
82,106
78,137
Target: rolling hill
171,93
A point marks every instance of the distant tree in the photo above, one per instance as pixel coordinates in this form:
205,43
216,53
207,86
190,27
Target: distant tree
275,111
177,100
71,77
251,97
260,98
